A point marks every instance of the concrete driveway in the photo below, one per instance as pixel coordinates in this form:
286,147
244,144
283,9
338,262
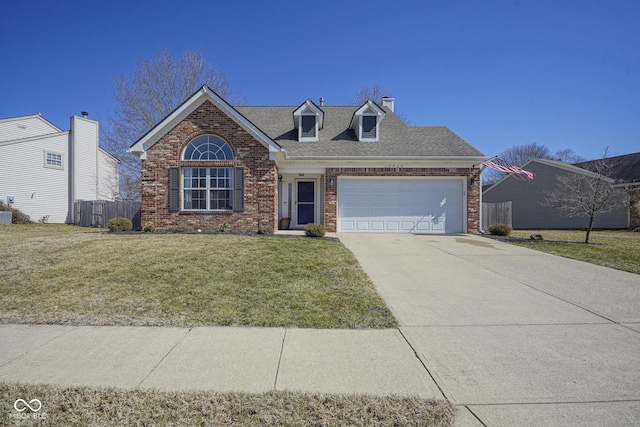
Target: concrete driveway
511,335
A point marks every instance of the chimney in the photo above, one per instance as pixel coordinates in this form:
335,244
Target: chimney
84,114
389,103
322,102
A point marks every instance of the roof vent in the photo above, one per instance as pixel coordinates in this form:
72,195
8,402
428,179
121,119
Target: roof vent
322,102
84,114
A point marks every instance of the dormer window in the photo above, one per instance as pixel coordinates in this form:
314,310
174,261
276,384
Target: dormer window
369,127
308,126
308,120
366,122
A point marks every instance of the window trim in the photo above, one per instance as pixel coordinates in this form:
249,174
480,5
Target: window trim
313,138
208,188
53,166
308,108
221,148
369,108
361,127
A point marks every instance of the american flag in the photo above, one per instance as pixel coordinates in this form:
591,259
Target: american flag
502,166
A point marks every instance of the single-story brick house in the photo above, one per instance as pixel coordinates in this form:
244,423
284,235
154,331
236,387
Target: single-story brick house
350,168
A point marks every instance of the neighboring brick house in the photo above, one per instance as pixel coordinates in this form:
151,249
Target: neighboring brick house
352,169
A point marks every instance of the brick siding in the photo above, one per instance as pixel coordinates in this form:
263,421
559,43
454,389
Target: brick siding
260,176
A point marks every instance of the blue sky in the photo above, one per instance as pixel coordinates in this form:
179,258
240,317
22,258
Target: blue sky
561,73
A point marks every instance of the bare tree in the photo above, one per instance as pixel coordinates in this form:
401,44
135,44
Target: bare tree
143,98
518,155
375,92
588,194
569,156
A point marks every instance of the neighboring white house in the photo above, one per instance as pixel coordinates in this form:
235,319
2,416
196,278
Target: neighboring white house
44,169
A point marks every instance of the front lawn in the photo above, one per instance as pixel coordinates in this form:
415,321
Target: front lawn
69,275
84,406
617,249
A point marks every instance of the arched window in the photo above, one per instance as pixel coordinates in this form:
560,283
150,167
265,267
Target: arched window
208,147
208,187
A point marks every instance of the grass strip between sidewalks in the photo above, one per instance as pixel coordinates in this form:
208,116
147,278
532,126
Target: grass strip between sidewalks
83,406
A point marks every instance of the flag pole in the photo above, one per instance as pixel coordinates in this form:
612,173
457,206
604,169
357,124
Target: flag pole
483,162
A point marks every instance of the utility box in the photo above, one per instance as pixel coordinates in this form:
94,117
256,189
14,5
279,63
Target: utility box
5,217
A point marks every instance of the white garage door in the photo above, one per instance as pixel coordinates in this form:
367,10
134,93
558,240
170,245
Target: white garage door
400,206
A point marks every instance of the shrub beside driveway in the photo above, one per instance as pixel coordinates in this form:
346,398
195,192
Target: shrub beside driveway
70,275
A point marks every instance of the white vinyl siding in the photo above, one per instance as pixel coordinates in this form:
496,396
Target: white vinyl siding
25,127
37,190
35,169
85,157
107,176
399,205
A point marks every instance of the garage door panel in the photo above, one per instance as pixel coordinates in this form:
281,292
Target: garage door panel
423,226
408,185
392,225
380,211
362,225
377,225
347,225
379,185
378,199
400,205
408,226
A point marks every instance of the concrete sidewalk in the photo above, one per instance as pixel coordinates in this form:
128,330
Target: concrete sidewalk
510,335
513,336
378,362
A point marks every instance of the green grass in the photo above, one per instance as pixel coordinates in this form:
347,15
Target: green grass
617,249
69,275
83,406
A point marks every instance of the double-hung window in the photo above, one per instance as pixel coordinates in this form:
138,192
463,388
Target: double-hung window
207,188
53,160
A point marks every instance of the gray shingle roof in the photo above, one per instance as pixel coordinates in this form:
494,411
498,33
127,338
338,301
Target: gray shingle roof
625,168
337,140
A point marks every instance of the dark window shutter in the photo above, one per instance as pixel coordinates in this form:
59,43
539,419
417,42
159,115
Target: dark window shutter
238,189
369,126
174,189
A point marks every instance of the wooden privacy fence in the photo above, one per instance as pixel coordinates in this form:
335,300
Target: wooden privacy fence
97,213
496,213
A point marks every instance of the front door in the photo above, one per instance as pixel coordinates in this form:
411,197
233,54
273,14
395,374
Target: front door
306,202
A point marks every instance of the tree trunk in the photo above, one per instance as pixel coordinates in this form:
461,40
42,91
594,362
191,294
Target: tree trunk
586,240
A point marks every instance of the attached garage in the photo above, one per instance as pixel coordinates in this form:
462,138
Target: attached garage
401,205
